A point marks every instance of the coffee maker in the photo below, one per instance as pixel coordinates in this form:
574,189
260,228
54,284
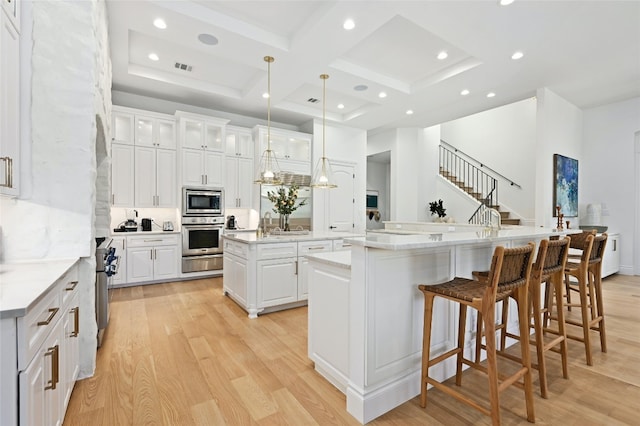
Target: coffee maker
131,225
231,222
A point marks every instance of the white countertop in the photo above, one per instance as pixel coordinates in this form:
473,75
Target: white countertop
402,240
154,232
252,238
23,283
341,259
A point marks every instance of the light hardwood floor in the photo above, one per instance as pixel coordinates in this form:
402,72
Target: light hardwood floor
183,354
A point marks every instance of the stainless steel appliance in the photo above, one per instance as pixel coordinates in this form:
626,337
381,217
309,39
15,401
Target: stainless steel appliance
167,225
202,201
231,222
202,243
106,266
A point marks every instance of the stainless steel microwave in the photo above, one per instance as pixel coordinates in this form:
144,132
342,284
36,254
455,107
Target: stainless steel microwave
202,201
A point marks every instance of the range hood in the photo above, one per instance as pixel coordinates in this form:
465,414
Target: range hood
295,178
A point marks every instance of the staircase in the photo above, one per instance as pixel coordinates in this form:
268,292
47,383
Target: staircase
474,178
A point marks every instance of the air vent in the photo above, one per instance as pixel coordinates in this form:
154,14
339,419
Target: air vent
313,100
183,67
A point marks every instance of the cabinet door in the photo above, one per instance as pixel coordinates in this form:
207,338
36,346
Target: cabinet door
239,142
122,127
231,183
165,262
120,243
308,247
192,167
145,177
139,264
70,356
166,187
299,149
9,108
214,168
122,175
277,282
144,131
235,277
192,133
213,137
165,134
245,183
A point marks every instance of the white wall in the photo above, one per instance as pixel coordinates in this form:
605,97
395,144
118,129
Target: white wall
70,83
503,139
607,170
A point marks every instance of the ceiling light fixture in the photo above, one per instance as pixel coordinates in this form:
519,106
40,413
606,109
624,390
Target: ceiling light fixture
159,23
409,112
465,92
517,55
349,24
153,57
382,95
443,55
323,176
268,170
490,95
505,2
340,106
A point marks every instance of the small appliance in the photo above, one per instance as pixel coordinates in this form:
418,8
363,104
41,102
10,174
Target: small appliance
167,225
146,224
231,222
202,202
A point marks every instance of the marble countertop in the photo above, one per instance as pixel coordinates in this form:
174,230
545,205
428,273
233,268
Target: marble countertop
404,240
24,283
134,233
341,259
252,238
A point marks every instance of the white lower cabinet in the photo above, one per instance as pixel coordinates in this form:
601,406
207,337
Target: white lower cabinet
277,281
304,248
235,277
152,258
120,244
611,259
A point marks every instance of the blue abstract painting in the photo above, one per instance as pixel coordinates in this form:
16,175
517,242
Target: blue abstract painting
565,177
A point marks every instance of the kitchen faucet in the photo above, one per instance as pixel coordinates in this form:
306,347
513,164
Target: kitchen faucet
264,220
488,215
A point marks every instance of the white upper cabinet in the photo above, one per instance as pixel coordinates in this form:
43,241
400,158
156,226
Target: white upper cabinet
152,131
286,144
239,142
201,132
9,104
122,128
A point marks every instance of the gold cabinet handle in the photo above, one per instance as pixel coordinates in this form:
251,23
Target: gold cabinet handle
52,313
72,286
76,321
54,353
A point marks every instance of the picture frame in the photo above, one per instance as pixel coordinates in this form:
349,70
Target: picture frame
565,182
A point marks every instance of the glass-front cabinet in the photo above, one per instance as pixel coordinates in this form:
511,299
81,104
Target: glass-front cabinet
286,144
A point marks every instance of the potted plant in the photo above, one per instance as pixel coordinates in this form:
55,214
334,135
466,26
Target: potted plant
284,203
436,207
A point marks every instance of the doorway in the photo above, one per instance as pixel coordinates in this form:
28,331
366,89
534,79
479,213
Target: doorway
379,182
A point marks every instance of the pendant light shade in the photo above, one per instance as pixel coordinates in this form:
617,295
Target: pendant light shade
268,169
323,175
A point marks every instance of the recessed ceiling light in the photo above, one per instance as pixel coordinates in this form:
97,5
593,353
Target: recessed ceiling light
409,112
505,2
349,24
265,95
207,39
340,106
465,92
490,95
154,57
382,95
517,55
159,23
443,55
360,88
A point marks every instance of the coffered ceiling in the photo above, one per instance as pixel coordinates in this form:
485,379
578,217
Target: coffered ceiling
211,55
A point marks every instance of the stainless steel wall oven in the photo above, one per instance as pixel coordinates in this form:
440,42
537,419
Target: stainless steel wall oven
202,243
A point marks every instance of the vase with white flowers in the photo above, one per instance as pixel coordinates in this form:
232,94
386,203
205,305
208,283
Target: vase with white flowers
284,203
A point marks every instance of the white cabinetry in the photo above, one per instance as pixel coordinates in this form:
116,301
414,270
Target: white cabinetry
122,175
292,149
122,127
202,142
152,258
277,274
238,185
10,98
304,248
43,350
239,142
611,259
155,177
154,131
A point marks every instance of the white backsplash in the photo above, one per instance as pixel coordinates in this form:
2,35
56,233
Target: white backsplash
119,216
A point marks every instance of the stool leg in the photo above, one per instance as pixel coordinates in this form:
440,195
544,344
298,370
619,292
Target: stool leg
479,334
584,308
568,290
426,347
564,349
488,319
503,324
462,325
600,307
537,327
521,295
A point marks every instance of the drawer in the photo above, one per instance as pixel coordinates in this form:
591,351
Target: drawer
310,247
34,327
68,286
236,248
277,250
341,245
152,241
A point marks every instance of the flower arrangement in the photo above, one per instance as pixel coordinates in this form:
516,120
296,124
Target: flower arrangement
436,207
284,202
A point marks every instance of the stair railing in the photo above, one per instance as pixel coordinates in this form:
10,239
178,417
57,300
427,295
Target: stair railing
470,178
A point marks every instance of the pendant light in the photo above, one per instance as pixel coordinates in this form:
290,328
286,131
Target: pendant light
268,171
323,176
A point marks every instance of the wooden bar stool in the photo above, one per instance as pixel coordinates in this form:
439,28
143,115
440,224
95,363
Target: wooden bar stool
548,269
578,242
509,274
588,284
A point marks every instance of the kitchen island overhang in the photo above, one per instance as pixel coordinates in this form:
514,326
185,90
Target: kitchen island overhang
380,367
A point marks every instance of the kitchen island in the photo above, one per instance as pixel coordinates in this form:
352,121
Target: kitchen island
366,312
266,274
